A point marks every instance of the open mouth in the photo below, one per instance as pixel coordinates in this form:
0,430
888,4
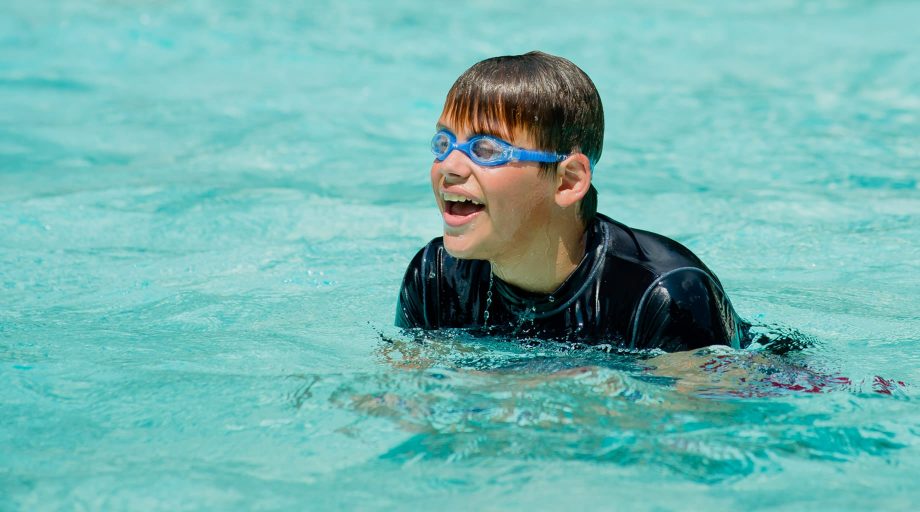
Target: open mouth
460,208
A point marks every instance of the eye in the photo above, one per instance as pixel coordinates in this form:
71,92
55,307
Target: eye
487,150
440,144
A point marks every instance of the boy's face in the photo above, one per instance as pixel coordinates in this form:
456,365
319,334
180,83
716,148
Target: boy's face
516,203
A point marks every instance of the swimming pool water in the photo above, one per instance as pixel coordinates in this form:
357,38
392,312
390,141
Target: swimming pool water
206,209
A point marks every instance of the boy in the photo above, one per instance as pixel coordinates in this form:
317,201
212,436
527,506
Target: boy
524,252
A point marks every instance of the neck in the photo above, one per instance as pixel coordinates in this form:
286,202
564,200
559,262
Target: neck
544,262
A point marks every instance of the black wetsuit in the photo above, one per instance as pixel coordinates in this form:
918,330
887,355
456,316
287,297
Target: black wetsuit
633,289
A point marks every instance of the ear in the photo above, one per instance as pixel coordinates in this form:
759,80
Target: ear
573,179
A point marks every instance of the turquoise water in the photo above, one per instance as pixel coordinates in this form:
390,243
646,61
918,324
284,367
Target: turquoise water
206,209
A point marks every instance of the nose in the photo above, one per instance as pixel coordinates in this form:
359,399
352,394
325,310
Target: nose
456,167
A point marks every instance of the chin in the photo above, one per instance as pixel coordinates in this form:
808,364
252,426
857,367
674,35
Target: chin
461,247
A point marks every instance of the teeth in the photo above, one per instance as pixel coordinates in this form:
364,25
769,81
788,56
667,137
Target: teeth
457,198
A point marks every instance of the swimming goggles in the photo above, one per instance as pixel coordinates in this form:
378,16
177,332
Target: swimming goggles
487,150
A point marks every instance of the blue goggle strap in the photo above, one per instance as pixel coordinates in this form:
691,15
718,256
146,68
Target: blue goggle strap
528,155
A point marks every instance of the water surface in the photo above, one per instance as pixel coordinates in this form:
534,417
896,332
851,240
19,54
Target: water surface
206,209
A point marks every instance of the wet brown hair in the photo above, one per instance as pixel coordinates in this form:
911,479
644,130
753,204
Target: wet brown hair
545,96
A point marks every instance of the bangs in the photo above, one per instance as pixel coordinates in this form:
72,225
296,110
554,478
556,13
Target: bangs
489,107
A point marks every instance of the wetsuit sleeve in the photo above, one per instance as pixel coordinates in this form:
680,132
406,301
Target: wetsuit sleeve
412,306
685,309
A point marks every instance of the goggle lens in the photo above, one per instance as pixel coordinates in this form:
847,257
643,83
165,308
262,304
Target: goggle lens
440,145
487,150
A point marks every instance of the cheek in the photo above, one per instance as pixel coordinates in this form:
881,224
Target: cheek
435,180
517,202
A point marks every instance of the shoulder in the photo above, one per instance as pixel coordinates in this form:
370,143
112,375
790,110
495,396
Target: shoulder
437,287
413,308
424,268
680,303
652,251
